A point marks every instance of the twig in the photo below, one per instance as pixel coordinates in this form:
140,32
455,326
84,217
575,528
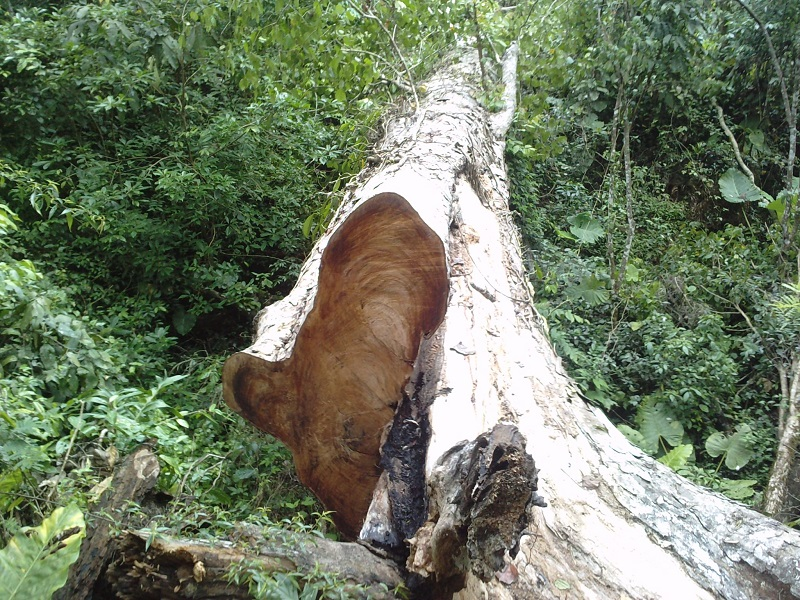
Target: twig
732,140
612,262
69,450
626,156
372,16
189,472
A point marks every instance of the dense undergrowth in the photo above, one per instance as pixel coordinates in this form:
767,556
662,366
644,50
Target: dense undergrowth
670,291
163,170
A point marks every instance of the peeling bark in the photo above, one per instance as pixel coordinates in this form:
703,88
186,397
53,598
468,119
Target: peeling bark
482,376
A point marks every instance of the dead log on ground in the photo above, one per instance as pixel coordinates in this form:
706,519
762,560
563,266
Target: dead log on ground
164,568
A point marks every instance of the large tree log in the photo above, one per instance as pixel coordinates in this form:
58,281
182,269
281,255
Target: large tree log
460,391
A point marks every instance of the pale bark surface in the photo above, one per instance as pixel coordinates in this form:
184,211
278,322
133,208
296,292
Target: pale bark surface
776,497
618,524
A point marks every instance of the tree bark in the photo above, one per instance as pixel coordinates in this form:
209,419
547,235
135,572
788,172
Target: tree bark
134,478
164,568
776,496
414,382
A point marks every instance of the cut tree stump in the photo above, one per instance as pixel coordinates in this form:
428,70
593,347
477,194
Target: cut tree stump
414,382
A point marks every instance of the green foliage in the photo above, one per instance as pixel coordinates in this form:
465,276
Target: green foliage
658,426
153,158
736,449
295,585
683,356
585,228
36,561
678,457
736,187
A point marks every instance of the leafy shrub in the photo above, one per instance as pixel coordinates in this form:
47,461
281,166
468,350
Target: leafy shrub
36,561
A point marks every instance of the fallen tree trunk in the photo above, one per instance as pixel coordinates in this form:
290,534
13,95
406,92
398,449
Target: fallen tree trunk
163,568
414,383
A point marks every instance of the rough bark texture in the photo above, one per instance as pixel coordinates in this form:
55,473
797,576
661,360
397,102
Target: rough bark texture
777,499
180,568
134,477
492,393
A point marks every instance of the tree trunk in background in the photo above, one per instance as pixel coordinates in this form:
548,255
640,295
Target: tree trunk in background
415,385
777,499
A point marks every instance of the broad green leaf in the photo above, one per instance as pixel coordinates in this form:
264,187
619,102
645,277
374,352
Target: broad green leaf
735,187
777,206
738,489
656,422
634,437
9,482
585,228
307,224
738,448
36,561
717,444
677,457
183,321
632,273
785,197
310,592
591,290
756,137
601,398
566,235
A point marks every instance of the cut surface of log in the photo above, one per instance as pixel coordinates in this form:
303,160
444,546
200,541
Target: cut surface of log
382,287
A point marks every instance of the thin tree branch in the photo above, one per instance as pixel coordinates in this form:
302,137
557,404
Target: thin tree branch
732,140
773,57
372,16
626,157
790,108
611,159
